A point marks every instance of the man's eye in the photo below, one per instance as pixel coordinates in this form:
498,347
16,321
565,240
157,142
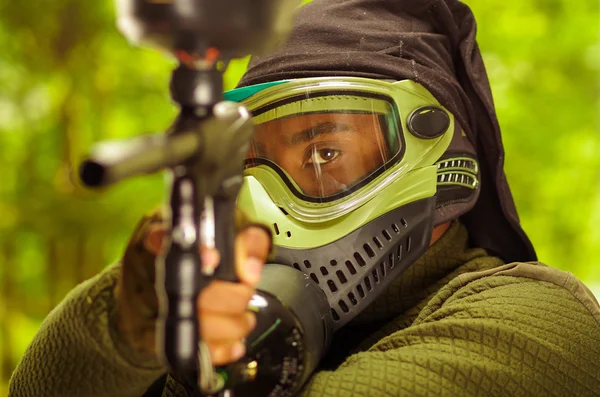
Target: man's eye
323,156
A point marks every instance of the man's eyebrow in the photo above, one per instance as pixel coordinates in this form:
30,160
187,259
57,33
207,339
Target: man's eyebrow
311,133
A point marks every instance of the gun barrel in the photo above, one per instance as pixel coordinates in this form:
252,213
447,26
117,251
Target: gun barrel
111,162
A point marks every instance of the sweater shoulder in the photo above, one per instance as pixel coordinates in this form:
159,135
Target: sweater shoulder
517,285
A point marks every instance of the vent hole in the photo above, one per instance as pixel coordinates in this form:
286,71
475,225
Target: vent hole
361,291
284,211
350,267
343,306
395,228
288,233
276,228
408,243
332,286
314,278
297,266
399,252
368,283
359,259
333,262
403,222
375,276
341,276
383,269
335,316
377,242
369,250
352,298
386,235
324,271
307,264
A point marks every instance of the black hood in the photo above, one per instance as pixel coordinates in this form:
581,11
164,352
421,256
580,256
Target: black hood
431,42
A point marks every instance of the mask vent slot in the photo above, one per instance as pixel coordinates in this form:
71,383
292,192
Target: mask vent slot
403,222
335,316
368,283
383,269
324,271
296,266
408,243
333,262
375,276
360,290
343,306
350,267
352,299
386,234
369,251
288,234
359,259
377,243
276,229
341,276
307,264
314,278
332,286
395,228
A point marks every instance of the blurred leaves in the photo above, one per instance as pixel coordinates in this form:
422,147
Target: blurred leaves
68,79
543,61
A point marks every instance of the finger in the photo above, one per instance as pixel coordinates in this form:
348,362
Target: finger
210,260
153,242
258,242
154,238
251,250
223,354
219,328
225,297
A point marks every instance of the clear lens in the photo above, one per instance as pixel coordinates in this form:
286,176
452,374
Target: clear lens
327,144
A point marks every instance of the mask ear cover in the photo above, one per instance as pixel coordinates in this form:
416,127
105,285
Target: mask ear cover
428,122
351,277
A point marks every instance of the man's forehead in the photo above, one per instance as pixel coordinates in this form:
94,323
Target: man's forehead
294,131
307,120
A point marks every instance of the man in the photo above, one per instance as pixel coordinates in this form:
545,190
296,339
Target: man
374,123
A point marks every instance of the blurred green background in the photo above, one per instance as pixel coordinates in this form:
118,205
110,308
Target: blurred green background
68,79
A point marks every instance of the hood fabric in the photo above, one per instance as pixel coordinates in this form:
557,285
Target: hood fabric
431,42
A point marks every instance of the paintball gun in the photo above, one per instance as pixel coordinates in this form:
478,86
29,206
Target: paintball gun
204,152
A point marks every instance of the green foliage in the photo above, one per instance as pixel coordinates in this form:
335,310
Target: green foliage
68,79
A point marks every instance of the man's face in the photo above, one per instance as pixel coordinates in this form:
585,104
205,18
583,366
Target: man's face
323,153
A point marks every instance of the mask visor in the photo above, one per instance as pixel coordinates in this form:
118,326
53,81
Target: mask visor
325,145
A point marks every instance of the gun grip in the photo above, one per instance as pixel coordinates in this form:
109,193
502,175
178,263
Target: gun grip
224,208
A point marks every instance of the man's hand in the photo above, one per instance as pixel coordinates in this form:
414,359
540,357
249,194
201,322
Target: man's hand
222,306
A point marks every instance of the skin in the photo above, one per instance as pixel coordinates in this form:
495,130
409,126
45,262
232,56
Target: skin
324,154
222,306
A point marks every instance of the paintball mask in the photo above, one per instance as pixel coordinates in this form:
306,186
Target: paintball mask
351,174
345,171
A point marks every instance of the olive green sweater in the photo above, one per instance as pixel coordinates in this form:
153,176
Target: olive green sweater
458,322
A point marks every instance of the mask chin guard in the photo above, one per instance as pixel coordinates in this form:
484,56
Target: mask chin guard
354,270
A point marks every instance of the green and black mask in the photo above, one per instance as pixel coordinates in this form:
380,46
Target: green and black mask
375,123
345,170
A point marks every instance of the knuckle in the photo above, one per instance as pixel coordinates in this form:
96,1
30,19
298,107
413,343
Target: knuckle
225,353
220,328
228,298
